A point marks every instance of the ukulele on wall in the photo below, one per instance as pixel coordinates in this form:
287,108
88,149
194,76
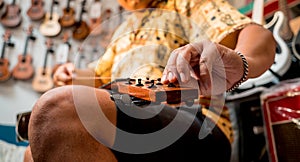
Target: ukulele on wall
51,27
4,63
82,30
68,17
12,16
62,52
42,81
24,68
36,10
95,18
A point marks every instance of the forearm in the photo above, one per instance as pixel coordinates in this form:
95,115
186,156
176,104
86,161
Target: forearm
85,77
258,46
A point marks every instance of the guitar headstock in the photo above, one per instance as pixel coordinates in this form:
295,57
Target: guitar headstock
155,91
7,36
30,33
49,44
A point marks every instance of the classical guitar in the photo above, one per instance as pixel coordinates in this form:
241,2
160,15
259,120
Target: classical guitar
12,16
36,10
95,18
4,62
82,30
62,52
51,26
24,68
68,17
283,58
42,81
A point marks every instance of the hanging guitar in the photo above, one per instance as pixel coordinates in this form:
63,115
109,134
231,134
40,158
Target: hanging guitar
4,63
80,59
42,81
24,68
68,17
95,18
51,27
36,10
283,59
12,16
62,52
82,30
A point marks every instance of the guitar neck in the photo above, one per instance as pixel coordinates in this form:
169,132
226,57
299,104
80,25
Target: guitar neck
51,9
68,5
82,10
3,50
286,32
45,61
26,46
13,2
258,11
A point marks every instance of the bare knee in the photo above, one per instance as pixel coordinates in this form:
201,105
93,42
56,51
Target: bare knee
55,129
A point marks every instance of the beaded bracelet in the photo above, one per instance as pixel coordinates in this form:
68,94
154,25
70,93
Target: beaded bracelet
245,75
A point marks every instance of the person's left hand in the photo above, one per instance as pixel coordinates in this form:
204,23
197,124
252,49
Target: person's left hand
214,67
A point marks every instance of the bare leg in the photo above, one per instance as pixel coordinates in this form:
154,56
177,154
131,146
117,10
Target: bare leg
27,156
56,132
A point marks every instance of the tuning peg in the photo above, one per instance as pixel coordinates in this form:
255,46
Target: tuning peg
33,38
10,44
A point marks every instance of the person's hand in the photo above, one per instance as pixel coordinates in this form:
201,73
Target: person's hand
63,74
211,67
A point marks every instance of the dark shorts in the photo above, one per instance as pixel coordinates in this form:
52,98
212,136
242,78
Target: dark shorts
187,147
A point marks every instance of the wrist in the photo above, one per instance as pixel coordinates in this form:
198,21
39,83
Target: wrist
245,73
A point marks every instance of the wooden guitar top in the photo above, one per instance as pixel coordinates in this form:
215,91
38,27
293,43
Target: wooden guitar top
155,91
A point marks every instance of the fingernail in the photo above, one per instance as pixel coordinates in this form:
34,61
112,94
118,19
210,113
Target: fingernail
182,77
170,76
163,78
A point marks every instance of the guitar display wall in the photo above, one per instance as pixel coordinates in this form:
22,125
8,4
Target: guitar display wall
18,94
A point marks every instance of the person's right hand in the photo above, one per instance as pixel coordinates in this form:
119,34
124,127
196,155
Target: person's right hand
63,74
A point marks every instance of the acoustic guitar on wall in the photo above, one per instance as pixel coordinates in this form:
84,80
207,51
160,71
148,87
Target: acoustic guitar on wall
62,52
4,62
42,81
12,15
51,26
82,30
68,17
95,18
36,10
24,68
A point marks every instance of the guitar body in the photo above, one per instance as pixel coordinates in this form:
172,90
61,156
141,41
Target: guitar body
81,31
4,70
43,82
50,27
12,16
296,46
24,69
68,18
36,11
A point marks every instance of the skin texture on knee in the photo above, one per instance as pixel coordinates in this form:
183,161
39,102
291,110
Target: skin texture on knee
56,132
